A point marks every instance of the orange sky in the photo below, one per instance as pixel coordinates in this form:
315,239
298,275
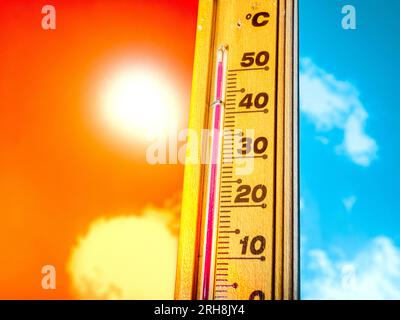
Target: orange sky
57,174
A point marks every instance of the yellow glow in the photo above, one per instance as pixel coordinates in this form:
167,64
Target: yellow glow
139,103
128,257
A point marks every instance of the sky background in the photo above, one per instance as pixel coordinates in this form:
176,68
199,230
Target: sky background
66,173
76,191
349,151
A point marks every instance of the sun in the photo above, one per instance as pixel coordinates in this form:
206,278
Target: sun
139,103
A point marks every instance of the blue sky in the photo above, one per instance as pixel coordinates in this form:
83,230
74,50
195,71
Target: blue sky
350,222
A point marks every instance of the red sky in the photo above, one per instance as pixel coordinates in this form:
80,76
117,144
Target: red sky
57,174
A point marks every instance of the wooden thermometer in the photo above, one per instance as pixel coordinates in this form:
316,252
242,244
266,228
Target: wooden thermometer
239,223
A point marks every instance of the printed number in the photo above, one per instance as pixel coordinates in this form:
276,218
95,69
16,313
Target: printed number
260,101
260,145
258,193
249,58
257,295
257,245
241,310
202,308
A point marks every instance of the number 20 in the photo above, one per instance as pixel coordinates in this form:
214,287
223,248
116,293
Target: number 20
245,190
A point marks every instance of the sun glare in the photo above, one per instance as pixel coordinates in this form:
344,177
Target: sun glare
139,104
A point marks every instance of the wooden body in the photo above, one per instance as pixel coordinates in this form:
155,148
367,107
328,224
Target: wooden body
259,256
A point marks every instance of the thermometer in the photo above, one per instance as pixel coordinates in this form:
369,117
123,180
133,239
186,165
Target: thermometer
239,224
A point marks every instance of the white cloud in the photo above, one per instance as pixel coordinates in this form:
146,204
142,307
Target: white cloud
322,139
373,273
126,257
301,203
349,202
334,104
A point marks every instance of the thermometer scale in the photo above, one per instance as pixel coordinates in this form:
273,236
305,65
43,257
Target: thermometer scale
238,234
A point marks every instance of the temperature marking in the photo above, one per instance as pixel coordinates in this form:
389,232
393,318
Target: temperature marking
240,90
237,231
243,258
247,206
250,111
250,69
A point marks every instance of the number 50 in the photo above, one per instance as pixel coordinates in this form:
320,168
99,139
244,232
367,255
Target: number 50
249,58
